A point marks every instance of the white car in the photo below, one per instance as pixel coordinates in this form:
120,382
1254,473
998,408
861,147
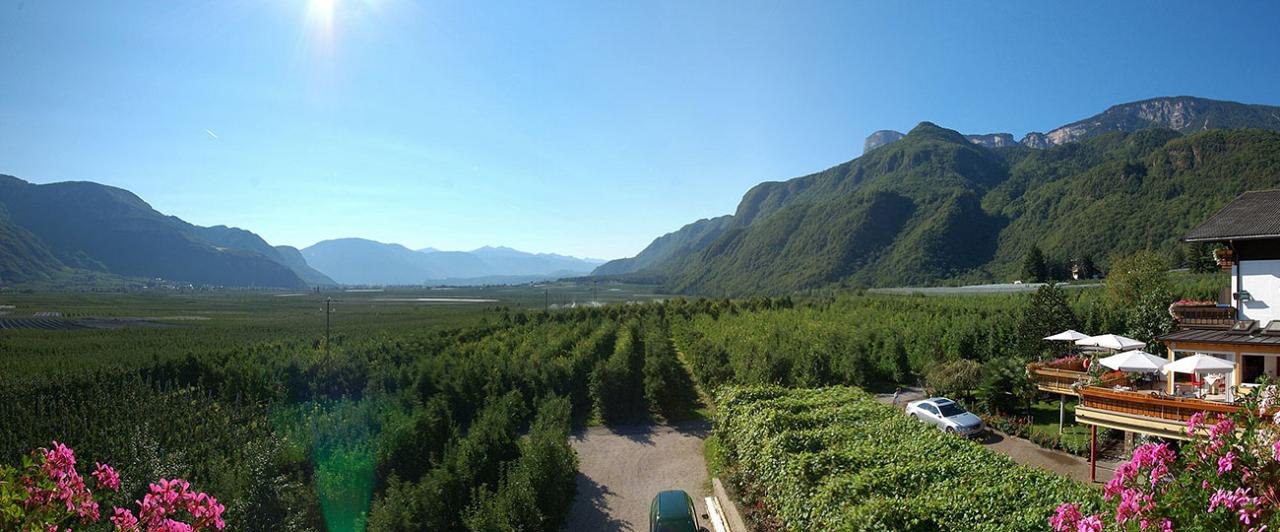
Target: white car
946,415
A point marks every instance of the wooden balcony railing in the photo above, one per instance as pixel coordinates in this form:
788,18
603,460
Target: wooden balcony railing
1051,379
1204,316
1175,409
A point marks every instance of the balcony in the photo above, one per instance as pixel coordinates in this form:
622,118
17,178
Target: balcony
1203,315
1145,412
1060,376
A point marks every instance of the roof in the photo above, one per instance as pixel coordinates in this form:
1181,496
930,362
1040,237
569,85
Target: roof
1211,336
672,505
1252,215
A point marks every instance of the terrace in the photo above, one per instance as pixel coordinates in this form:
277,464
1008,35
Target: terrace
1065,375
1148,412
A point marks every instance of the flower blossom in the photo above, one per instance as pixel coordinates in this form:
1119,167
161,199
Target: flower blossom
106,476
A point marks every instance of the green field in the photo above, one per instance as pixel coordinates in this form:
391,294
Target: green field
446,409
471,392
176,324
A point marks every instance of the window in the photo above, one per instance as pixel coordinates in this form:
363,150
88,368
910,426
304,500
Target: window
930,409
951,409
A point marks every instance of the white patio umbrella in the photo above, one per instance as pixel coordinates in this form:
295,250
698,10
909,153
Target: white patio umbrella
1111,341
1134,362
1069,335
1200,364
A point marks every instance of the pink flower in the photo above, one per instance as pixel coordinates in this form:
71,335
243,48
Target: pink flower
1092,523
124,520
1227,462
1065,518
1194,423
106,476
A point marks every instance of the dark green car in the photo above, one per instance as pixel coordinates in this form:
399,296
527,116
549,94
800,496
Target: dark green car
672,511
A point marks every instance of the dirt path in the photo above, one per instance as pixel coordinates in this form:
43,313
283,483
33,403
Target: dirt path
621,468
1023,451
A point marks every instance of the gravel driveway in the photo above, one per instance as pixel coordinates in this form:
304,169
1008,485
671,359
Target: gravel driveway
621,469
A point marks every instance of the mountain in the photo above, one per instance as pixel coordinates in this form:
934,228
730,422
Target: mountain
993,140
1184,114
936,207
880,138
291,257
361,261
684,242
511,262
97,227
23,257
367,262
288,256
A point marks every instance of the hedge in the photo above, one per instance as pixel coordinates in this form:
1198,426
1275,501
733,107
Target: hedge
835,459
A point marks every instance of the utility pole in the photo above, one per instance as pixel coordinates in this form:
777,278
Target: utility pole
546,300
327,302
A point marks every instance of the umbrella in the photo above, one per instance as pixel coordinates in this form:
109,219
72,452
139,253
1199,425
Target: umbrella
1200,364
1134,361
1068,335
1111,341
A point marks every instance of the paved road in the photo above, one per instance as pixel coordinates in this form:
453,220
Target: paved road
621,469
1023,451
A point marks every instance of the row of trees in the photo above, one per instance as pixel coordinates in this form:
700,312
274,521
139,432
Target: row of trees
1196,257
402,432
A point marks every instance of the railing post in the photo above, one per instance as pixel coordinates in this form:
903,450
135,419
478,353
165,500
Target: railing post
1093,453
1062,412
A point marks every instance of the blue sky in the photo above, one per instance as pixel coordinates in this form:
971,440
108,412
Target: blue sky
585,128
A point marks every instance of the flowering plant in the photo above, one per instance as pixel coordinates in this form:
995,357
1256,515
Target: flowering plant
1226,478
48,493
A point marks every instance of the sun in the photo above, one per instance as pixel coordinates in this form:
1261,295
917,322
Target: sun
320,16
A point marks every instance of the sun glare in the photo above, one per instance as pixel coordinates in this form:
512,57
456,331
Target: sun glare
320,23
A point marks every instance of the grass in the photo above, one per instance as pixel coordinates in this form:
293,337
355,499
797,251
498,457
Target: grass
1044,423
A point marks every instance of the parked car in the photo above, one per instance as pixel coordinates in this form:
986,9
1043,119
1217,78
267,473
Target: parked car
946,415
673,511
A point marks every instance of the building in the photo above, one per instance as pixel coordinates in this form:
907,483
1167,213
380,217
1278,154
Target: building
1242,327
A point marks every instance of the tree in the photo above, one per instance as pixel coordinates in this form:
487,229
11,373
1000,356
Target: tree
957,378
1137,274
1139,288
1200,258
1046,313
1088,270
1033,267
1004,386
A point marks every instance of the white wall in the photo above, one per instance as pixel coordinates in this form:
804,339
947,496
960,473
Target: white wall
1262,281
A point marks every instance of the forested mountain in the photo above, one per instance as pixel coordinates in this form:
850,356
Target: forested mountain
96,227
23,257
935,206
367,262
683,242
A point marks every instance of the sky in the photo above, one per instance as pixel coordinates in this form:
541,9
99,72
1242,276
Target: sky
582,128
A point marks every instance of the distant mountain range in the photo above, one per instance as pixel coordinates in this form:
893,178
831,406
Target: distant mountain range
358,261
937,206
1184,114
48,229
927,207
52,230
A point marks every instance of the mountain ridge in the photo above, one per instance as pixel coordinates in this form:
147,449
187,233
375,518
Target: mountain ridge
360,261
91,226
936,206
1185,114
